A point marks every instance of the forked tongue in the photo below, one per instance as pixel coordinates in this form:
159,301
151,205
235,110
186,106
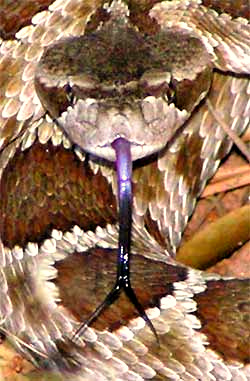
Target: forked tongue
125,197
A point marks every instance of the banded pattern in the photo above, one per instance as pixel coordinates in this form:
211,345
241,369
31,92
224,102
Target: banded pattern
58,213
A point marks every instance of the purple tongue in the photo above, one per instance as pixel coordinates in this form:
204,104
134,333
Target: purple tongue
124,182
124,185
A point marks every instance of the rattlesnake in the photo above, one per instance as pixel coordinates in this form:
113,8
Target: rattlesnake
58,221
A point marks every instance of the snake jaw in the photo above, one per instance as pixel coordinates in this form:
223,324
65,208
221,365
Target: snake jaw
94,126
137,151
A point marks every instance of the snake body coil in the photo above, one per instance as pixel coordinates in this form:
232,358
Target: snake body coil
78,77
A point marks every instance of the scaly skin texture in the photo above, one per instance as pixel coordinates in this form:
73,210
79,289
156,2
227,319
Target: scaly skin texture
58,213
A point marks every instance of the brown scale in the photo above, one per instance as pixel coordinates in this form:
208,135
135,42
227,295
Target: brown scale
224,311
43,191
19,14
236,8
95,273
153,229
188,162
47,187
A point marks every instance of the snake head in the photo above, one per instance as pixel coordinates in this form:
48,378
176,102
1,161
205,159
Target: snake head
117,82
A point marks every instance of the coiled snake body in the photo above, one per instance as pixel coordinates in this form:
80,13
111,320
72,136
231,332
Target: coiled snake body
80,75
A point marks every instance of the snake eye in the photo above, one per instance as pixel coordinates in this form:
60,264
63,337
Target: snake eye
52,95
69,94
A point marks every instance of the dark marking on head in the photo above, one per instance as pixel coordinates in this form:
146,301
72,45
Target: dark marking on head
113,69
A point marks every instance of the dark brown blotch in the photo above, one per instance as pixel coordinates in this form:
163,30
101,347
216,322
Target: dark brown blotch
189,93
15,15
235,8
224,311
189,162
85,279
48,187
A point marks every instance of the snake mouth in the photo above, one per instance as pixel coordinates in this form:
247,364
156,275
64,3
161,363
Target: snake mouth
148,126
138,151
